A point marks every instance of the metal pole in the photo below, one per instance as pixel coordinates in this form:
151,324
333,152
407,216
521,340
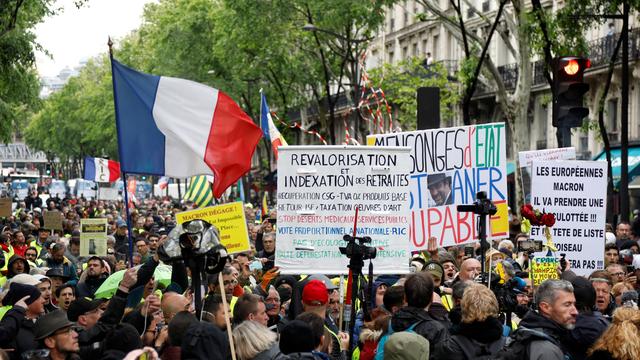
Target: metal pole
126,208
624,128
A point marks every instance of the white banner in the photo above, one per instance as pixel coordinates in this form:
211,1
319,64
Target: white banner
107,193
576,192
319,188
526,158
449,167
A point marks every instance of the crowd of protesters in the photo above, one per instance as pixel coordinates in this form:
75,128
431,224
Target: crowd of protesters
444,309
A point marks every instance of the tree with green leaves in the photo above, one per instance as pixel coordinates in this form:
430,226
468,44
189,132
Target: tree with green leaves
400,82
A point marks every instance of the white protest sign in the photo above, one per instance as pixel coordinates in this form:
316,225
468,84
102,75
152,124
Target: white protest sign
107,193
575,192
449,167
319,188
526,158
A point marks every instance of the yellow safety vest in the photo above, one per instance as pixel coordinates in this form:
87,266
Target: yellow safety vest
447,301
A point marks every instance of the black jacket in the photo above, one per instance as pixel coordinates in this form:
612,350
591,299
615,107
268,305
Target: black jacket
589,327
16,332
90,340
545,348
431,329
484,338
88,287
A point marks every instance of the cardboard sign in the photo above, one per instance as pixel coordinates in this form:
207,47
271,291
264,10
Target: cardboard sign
544,268
449,167
319,188
5,207
526,158
52,220
230,221
576,192
107,193
93,237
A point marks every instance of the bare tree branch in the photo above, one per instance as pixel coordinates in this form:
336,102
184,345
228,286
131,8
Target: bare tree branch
504,35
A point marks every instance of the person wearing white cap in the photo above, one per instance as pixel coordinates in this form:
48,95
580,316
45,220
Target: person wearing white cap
44,286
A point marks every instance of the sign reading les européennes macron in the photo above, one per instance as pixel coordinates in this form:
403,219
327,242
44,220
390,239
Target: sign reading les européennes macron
319,188
448,167
576,192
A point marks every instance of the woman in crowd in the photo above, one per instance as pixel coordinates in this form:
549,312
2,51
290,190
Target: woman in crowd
621,340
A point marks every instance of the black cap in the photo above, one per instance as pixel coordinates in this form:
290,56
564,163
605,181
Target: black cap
17,291
56,272
82,306
295,337
49,323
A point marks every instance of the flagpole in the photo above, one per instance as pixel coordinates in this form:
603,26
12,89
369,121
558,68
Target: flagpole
121,158
126,207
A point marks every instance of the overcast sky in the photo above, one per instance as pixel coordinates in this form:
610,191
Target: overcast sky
79,34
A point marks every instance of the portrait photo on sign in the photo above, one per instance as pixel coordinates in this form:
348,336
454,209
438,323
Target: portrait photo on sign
439,186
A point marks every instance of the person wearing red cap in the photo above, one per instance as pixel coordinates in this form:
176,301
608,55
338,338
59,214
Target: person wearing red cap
315,299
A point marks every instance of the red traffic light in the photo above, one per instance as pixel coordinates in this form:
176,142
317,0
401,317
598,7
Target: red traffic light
572,67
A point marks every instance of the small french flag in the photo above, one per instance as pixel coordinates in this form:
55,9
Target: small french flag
101,170
269,129
163,182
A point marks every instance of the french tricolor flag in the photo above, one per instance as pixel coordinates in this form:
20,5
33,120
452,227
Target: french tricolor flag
180,128
269,129
101,170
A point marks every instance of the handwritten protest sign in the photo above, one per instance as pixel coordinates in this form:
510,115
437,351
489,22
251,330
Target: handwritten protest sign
319,188
544,268
230,221
52,220
449,166
526,158
575,192
93,237
5,207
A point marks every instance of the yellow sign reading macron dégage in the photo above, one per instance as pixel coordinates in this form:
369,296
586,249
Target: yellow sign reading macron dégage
230,221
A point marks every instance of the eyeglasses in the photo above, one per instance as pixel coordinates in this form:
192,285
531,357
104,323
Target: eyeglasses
272,300
64,331
618,274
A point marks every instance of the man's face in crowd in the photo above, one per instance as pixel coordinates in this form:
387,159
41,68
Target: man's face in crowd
65,341
43,235
611,256
19,238
140,223
122,230
603,294
523,299
37,307
562,310
74,249
18,267
617,273
153,243
65,299
254,232
90,318
623,231
58,256
269,244
56,282
449,271
229,282
273,300
219,320
45,290
260,316
142,247
440,191
469,269
94,268
31,255
334,305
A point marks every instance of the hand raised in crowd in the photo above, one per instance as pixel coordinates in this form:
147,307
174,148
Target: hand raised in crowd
161,337
129,279
631,279
151,305
144,353
344,341
432,247
121,265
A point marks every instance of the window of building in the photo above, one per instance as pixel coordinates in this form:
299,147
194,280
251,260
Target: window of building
404,52
390,57
392,25
414,51
612,120
486,6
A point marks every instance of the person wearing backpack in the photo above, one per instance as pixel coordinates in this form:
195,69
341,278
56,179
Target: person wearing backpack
480,332
542,334
418,293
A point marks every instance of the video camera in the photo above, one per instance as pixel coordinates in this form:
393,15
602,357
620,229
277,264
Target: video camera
482,205
358,249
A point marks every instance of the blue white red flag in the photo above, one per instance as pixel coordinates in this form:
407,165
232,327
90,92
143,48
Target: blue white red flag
180,128
101,170
269,129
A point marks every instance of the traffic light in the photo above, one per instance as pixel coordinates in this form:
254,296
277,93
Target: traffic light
568,75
